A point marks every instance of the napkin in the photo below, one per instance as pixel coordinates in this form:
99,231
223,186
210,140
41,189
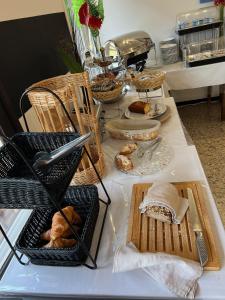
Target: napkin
164,194
178,275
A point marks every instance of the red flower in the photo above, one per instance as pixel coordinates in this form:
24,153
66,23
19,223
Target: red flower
84,14
87,19
219,2
94,22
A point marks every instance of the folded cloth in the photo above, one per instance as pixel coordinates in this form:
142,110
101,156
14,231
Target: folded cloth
163,202
178,275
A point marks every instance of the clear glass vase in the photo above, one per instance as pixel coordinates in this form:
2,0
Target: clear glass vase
221,14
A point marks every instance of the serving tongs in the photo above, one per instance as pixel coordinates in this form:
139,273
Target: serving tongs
44,159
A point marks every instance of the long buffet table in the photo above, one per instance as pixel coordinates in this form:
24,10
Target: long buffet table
80,282
179,77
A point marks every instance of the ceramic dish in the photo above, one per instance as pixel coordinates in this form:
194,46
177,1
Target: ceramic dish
140,130
154,113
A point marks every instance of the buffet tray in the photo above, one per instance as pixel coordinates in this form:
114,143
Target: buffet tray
208,61
198,28
150,235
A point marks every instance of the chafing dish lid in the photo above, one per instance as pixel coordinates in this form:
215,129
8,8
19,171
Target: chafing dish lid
129,45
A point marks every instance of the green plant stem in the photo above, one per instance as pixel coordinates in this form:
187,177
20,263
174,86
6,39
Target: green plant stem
221,8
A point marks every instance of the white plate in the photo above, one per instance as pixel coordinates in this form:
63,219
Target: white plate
161,109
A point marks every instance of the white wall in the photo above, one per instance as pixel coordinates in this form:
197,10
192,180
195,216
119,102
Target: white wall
17,9
157,17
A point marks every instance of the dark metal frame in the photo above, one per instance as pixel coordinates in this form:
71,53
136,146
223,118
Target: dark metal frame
58,207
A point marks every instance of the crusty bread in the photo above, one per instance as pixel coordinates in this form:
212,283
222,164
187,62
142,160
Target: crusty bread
128,149
123,163
140,107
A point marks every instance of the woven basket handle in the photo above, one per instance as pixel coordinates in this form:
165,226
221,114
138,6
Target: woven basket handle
40,88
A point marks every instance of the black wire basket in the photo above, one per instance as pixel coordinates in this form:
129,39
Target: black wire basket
46,191
22,188
86,202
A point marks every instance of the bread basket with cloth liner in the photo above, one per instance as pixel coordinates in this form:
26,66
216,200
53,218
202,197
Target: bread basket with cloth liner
148,80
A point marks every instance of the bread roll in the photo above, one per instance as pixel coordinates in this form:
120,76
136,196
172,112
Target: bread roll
140,107
128,149
123,163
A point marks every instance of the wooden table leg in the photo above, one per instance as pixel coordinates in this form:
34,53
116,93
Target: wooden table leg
222,101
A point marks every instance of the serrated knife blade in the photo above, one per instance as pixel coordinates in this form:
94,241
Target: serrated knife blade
197,228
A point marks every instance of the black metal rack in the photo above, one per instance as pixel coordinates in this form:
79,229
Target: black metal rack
51,196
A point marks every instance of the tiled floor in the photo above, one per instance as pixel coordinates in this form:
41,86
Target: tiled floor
202,122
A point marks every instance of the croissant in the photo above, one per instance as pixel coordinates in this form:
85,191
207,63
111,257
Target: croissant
59,224
61,243
46,236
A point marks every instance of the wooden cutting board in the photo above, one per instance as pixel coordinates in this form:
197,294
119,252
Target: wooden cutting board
148,234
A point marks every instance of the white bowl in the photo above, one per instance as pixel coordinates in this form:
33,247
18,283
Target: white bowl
140,130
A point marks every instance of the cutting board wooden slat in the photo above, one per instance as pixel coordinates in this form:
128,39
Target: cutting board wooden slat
152,235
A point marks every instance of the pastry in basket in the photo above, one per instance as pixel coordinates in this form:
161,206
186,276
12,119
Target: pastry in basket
162,202
140,107
46,236
61,243
108,75
103,85
59,224
58,234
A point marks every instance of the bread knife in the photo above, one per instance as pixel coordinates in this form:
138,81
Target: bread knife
197,228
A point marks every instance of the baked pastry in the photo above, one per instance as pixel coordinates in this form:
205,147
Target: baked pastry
61,243
123,163
140,107
103,85
59,224
46,236
128,149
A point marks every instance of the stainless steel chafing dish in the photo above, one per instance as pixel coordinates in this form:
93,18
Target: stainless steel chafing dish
132,48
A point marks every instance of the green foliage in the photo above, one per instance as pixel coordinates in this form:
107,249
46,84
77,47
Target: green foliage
101,9
94,32
93,8
69,61
76,4
96,10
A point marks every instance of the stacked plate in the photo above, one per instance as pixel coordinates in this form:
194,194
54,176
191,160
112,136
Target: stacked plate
169,52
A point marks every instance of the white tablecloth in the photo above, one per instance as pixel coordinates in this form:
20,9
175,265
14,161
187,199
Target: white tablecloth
81,282
180,78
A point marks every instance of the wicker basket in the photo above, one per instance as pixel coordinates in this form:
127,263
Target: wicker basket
148,80
86,202
75,92
109,96
18,186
